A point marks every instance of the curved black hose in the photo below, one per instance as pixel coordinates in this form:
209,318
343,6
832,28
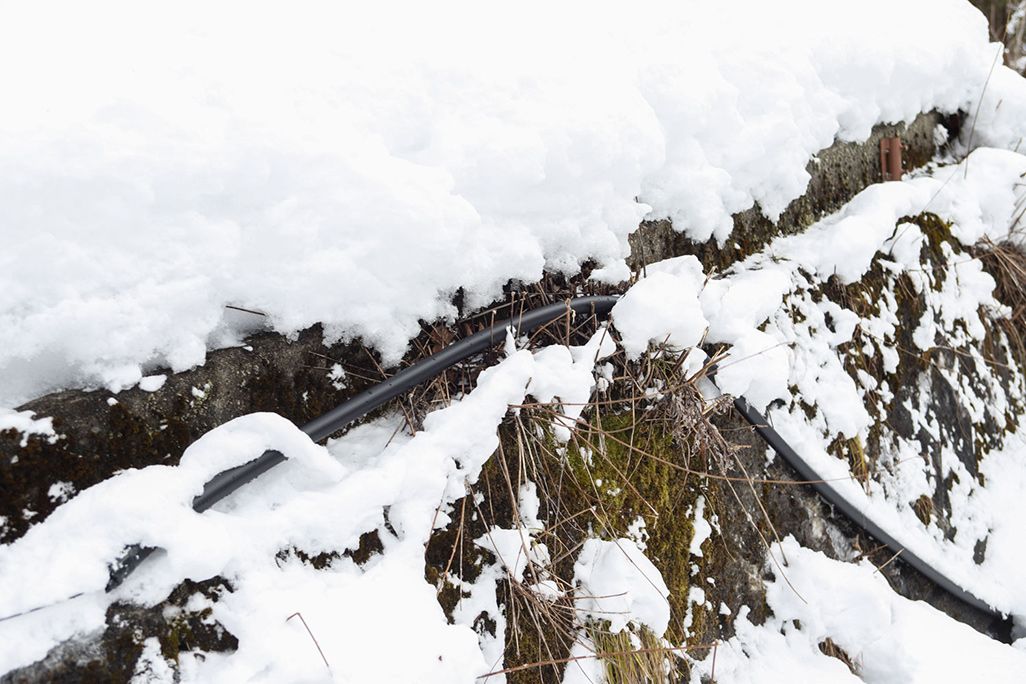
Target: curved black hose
1000,621
321,427
227,482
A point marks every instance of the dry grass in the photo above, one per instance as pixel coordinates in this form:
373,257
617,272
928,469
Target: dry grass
626,433
829,648
632,658
1006,262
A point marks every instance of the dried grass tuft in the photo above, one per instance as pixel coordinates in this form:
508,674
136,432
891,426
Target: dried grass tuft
1006,263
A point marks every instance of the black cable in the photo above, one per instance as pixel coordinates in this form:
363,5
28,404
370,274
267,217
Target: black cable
339,417
320,428
1000,621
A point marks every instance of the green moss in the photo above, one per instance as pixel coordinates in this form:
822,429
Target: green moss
939,250
852,451
628,465
654,490
171,644
936,230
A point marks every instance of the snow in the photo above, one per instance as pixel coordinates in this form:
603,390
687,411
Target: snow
978,203
677,303
615,581
775,354
703,530
152,668
295,163
999,112
514,550
738,305
321,499
60,491
891,639
585,668
337,375
568,377
637,532
782,344
27,424
152,383
755,349
662,309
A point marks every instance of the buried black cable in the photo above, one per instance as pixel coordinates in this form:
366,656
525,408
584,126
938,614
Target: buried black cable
229,481
223,484
1000,622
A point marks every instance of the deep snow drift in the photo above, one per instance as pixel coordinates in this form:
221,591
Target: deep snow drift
297,163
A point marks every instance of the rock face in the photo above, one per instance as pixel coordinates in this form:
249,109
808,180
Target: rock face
708,473
837,174
102,433
293,377
1005,29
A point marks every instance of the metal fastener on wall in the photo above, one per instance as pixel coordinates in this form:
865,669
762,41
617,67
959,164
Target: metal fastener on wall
890,158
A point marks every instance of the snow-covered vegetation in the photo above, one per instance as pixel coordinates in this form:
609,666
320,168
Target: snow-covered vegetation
376,170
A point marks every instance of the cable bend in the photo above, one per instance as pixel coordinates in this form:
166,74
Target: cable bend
599,306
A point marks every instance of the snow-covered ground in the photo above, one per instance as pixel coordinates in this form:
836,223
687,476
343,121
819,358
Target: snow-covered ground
325,166
322,499
784,348
888,638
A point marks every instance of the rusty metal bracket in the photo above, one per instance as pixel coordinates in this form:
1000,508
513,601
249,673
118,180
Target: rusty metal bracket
890,158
